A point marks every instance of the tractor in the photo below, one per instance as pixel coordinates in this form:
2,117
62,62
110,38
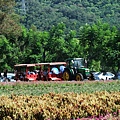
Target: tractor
76,69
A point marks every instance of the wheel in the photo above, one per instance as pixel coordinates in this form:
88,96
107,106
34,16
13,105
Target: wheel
79,77
66,75
91,77
6,80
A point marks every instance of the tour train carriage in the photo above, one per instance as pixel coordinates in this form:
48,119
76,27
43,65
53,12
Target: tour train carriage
39,71
25,72
51,71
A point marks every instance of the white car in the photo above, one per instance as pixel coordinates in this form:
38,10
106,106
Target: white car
10,77
104,76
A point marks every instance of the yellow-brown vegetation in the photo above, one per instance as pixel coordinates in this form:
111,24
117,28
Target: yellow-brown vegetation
64,106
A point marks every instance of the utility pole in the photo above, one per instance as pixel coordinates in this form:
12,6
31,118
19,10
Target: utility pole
23,7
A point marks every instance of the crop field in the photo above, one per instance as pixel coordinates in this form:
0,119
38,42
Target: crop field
56,100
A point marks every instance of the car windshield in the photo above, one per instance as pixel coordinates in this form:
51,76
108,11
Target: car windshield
109,74
98,73
10,76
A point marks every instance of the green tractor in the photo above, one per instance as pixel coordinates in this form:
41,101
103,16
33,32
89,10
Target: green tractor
76,69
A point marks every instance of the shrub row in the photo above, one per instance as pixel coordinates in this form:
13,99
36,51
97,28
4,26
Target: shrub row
64,106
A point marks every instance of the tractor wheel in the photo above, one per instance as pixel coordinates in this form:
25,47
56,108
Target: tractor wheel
66,76
79,77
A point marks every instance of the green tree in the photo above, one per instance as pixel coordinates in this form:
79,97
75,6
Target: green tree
42,46
72,45
56,43
5,51
98,40
9,21
113,51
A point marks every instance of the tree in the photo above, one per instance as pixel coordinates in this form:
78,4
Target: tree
9,21
42,45
99,42
56,42
113,51
74,49
4,52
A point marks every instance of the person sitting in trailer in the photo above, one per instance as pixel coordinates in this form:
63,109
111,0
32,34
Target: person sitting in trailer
62,67
55,70
21,76
33,73
28,72
44,72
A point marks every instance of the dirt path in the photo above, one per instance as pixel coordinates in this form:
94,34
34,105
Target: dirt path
56,82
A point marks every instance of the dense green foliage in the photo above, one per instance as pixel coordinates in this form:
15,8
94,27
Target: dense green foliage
56,30
73,13
58,87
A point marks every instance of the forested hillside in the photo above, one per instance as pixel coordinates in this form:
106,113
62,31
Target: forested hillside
47,31
74,13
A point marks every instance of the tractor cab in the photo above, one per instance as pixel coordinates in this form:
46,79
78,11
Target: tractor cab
76,62
76,69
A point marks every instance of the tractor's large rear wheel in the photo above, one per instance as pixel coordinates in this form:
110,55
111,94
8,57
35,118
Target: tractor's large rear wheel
66,75
79,77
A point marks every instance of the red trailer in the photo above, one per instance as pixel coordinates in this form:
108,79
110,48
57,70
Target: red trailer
39,71
51,71
25,72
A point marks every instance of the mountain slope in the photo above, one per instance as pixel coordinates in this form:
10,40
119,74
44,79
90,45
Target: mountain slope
74,13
